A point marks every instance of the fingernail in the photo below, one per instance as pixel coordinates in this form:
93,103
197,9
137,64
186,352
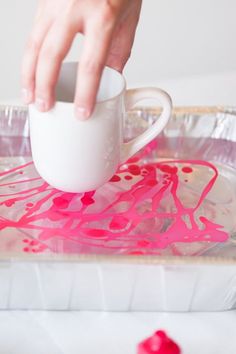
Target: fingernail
26,96
41,105
82,113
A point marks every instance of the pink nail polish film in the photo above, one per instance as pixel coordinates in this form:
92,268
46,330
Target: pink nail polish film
149,207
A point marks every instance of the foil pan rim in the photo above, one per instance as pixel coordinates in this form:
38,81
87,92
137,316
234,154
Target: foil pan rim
131,259
175,110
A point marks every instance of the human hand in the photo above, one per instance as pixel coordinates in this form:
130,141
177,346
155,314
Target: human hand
109,29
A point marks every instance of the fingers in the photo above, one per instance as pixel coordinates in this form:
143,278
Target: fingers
120,52
30,57
123,38
52,37
96,46
41,26
55,47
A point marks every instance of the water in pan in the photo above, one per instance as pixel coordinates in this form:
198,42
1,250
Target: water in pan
151,206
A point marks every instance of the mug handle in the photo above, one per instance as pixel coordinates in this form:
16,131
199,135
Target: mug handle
132,97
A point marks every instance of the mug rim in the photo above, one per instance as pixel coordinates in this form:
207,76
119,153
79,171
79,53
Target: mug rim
100,101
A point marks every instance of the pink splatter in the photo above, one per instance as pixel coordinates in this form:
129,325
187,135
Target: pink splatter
118,222
158,343
9,202
143,243
87,199
97,232
187,169
134,170
33,243
115,178
63,201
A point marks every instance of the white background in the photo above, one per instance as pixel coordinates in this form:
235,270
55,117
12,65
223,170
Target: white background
178,42
189,48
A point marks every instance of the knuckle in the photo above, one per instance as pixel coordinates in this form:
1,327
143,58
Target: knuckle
91,67
43,89
109,13
32,45
69,22
127,56
27,75
49,52
118,60
106,18
45,85
26,80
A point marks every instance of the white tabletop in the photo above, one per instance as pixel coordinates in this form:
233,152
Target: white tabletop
113,333
118,333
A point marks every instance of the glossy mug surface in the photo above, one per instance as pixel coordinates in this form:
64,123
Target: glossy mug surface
79,156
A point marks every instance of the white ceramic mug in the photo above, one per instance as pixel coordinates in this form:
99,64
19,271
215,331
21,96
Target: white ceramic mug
79,156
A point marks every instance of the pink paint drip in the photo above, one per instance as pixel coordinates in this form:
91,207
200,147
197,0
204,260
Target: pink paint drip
158,343
131,219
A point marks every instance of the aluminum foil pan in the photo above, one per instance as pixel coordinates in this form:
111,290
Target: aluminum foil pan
159,236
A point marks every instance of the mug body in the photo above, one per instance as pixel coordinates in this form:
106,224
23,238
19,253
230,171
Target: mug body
79,156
